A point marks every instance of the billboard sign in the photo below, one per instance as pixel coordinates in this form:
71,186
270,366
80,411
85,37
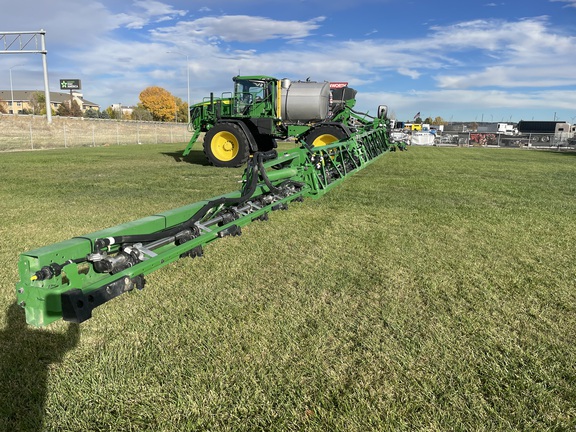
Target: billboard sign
70,84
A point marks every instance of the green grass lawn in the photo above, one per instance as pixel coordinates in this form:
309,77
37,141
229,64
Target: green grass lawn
434,290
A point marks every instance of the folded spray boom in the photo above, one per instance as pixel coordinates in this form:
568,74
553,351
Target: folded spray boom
68,280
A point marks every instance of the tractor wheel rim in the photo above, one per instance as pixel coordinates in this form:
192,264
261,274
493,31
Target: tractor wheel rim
323,140
224,146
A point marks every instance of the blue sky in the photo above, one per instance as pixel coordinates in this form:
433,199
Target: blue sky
461,60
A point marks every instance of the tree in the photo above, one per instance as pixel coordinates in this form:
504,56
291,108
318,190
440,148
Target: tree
428,120
111,112
141,113
63,110
439,121
91,113
159,102
104,115
3,109
182,110
75,110
67,109
38,103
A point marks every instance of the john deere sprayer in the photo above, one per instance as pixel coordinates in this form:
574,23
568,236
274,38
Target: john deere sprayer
263,109
68,280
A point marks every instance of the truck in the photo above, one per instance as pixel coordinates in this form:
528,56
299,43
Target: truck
262,109
497,128
529,133
545,133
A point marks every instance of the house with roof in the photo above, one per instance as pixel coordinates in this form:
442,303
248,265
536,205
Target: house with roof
19,100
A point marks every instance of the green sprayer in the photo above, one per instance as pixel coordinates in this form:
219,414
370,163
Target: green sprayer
68,280
263,109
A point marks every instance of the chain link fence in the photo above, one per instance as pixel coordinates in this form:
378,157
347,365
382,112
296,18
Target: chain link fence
29,132
483,139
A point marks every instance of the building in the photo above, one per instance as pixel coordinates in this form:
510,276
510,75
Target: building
22,98
126,111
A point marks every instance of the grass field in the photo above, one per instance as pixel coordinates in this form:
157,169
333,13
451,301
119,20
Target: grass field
434,290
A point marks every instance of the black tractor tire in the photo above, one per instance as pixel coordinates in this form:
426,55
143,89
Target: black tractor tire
324,135
226,145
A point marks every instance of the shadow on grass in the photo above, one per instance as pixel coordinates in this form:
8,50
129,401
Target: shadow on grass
26,355
195,157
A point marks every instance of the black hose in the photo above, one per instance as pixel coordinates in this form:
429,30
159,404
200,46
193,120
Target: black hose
264,176
361,113
247,193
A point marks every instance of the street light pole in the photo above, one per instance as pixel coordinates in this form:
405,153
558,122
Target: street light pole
12,92
187,79
188,86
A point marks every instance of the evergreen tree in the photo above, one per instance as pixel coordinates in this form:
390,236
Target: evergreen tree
91,113
75,110
63,109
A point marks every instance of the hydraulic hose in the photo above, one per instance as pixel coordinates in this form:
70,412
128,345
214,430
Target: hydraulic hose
255,164
361,113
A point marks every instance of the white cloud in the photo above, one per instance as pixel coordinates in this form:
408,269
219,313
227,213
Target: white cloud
60,20
238,28
156,8
409,72
570,3
499,53
70,23
146,12
510,77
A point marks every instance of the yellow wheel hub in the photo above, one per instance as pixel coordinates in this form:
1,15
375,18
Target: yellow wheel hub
323,140
224,146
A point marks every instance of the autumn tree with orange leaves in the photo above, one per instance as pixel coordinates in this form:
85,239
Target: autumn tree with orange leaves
160,102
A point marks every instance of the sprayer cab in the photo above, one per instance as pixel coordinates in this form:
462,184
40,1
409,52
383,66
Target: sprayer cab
253,96
256,96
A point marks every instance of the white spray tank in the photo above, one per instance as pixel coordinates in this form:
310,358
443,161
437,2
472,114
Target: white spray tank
305,101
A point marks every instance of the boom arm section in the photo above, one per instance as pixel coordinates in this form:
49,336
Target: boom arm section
68,280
